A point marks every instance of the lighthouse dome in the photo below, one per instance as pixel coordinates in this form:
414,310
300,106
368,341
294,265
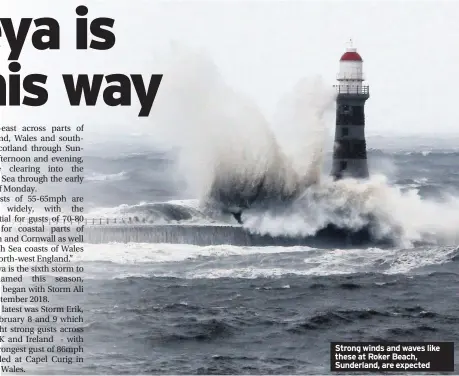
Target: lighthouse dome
351,54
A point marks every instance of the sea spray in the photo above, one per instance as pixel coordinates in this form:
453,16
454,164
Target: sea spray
229,153
302,125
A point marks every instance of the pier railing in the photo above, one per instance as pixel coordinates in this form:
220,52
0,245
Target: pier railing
92,221
115,221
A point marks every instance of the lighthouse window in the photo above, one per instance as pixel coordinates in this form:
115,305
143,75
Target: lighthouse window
345,131
358,117
343,165
344,119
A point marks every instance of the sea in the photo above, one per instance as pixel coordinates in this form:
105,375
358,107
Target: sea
224,309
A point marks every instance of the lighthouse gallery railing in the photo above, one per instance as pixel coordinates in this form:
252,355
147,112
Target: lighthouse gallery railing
352,89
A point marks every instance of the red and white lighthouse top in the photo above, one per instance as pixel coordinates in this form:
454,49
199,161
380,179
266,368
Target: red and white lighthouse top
350,69
351,54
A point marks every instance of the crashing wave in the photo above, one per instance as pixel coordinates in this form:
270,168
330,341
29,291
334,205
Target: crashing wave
270,174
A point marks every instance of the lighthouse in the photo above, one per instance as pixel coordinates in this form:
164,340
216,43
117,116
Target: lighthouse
349,152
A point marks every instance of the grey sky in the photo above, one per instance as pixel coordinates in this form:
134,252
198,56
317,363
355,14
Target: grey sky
410,51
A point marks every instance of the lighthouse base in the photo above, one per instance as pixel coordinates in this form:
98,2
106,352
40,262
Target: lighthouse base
355,168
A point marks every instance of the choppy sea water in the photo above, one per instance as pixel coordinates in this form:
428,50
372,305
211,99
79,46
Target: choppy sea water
171,309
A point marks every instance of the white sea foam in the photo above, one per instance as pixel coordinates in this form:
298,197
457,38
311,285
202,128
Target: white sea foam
191,262
107,177
119,261
138,253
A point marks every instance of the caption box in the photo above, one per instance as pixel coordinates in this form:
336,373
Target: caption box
392,356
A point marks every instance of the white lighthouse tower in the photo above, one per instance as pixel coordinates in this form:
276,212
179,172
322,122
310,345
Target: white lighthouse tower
349,153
